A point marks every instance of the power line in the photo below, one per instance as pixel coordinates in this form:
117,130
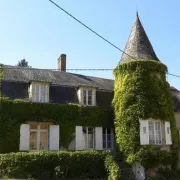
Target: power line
72,70
95,34
101,38
91,29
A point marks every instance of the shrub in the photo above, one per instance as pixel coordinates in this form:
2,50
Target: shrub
112,168
58,165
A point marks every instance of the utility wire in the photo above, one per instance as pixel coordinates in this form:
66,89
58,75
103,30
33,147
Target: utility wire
25,68
98,36
91,29
95,34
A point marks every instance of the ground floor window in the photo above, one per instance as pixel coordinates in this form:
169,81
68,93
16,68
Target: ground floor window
155,132
38,137
107,138
88,135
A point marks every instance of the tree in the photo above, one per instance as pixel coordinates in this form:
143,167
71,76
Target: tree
23,63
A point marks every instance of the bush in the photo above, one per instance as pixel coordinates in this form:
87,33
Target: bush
112,168
58,165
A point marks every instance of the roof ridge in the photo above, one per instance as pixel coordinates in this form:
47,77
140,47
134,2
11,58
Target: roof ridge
27,68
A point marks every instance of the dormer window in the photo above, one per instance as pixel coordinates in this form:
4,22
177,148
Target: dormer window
87,96
39,92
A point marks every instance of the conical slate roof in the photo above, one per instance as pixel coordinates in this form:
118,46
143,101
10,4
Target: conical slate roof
138,45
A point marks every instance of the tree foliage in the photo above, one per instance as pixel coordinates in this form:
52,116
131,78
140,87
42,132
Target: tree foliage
23,63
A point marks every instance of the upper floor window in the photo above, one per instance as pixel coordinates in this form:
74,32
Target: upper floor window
87,96
39,92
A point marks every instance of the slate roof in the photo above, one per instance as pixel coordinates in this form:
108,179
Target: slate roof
138,45
174,89
176,103
19,74
12,73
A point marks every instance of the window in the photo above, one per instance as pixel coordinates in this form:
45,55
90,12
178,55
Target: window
38,137
87,97
155,133
107,138
88,136
39,92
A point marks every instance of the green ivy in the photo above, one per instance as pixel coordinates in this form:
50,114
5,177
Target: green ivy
16,112
112,168
141,92
1,77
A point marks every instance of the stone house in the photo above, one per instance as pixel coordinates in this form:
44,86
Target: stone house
46,86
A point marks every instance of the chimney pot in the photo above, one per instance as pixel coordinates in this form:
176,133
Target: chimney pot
62,63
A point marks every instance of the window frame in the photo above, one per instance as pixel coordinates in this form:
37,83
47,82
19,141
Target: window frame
87,137
106,139
42,94
38,130
86,97
155,134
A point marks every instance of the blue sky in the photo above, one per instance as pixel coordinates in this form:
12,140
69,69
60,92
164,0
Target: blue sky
40,32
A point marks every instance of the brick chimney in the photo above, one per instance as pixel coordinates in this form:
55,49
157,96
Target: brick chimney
62,63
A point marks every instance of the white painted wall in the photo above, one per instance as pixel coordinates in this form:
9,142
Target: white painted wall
139,171
72,145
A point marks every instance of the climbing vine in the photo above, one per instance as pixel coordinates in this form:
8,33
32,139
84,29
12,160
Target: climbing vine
141,92
16,112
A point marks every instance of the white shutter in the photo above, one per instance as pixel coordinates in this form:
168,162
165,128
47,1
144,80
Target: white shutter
79,138
144,132
80,97
168,133
98,138
36,89
54,137
30,92
24,137
94,97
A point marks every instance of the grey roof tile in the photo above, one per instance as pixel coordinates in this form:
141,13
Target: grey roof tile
12,73
138,45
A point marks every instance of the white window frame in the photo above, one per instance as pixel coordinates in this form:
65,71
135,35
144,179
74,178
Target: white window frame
38,131
38,96
87,138
155,132
86,97
106,139
81,96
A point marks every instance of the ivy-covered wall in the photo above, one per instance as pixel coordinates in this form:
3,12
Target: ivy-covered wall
141,92
14,113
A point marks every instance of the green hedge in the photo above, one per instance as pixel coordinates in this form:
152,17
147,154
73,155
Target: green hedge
142,92
14,113
58,165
